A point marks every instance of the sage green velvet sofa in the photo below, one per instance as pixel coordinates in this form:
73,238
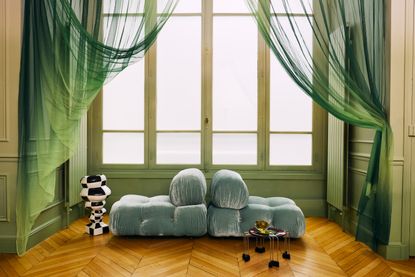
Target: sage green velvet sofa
184,213
181,213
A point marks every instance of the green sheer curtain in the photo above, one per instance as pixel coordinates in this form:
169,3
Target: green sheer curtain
70,49
286,26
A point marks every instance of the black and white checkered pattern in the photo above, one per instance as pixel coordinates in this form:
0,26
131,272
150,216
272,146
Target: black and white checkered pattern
94,192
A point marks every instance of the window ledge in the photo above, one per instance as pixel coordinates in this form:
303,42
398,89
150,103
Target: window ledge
246,174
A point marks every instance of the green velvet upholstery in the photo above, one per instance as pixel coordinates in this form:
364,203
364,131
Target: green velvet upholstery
182,213
229,215
228,190
188,187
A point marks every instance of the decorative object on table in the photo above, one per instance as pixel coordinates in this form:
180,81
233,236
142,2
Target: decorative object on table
261,226
270,233
94,192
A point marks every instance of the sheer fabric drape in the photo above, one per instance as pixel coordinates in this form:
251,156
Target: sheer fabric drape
70,49
361,98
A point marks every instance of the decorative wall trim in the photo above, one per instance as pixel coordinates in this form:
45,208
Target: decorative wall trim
359,156
365,141
394,251
398,161
358,171
4,211
50,221
54,204
45,225
10,159
7,244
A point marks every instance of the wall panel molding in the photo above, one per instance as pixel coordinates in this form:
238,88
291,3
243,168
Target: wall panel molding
10,159
358,171
4,211
366,141
359,156
397,161
7,243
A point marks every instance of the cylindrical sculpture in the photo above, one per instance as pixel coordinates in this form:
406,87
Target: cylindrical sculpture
94,192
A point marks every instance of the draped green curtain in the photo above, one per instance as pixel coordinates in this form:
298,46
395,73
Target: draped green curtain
70,49
360,99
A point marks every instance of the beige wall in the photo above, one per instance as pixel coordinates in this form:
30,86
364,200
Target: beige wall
398,244
10,26
408,188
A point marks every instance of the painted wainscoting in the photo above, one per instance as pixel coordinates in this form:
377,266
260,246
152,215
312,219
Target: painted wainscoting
309,193
10,25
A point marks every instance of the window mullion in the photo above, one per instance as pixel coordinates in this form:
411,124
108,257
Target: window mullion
263,93
207,26
150,98
266,95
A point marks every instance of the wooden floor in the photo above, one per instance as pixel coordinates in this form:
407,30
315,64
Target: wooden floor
324,251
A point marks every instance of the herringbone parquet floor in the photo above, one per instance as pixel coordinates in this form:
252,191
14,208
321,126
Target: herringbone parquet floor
324,251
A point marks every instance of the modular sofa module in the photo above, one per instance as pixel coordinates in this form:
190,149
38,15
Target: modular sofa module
181,213
233,211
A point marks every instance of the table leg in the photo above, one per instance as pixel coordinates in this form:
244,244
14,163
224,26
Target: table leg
271,254
245,255
286,254
260,248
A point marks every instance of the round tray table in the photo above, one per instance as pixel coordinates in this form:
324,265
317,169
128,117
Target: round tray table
271,233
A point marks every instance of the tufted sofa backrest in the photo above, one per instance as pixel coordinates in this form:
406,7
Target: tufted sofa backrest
228,190
188,187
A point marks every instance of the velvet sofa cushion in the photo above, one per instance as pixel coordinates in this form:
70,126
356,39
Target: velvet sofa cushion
156,216
228,190
280,212
188,187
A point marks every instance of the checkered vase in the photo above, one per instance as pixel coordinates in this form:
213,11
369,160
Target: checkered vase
94,192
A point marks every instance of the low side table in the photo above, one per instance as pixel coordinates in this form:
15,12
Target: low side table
273,235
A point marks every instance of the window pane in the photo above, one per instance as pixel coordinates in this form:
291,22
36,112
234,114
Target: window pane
290,149
230,6
179,75
234,74
183,6
123,100
122,32
234,149
290,108
178,148
300,40
123,148
130,6
293,6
